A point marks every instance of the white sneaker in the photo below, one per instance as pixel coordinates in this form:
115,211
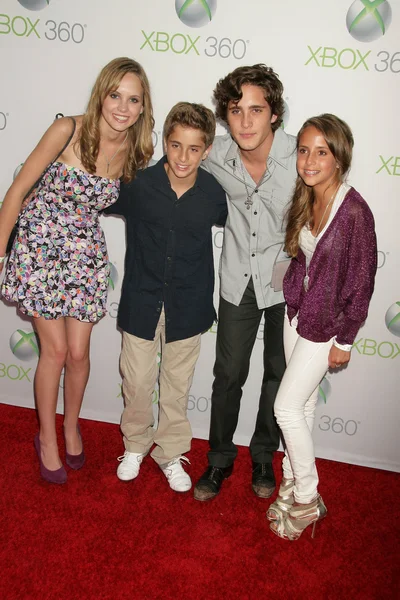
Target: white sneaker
178,479
130,465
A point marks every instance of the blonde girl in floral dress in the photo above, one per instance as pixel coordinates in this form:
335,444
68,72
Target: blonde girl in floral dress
57,272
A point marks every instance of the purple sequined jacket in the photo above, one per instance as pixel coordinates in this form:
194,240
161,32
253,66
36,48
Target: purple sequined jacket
342,274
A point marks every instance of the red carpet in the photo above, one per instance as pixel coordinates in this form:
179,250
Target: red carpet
99,538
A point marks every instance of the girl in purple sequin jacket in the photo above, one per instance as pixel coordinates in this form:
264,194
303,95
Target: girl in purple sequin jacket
328,287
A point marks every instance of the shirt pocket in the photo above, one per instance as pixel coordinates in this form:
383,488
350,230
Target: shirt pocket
276,201
281,201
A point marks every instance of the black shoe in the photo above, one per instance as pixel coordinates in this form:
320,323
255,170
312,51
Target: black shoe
210,482
263,480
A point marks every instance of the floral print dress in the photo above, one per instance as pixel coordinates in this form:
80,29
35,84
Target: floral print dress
58,266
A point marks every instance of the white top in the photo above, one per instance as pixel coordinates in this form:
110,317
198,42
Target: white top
307,241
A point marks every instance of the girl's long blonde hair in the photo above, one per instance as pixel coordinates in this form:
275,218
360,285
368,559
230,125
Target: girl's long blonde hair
339,139
140,145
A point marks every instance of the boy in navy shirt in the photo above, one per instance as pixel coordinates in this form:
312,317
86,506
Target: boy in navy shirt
167,292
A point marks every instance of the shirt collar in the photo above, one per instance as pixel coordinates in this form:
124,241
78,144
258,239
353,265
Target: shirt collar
279,153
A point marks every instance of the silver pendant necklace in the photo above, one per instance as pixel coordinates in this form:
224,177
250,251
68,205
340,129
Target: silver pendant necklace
109,160
249,195
306,279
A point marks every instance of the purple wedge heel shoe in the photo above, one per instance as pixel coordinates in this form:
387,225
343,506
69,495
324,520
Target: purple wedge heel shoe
58,476
76,461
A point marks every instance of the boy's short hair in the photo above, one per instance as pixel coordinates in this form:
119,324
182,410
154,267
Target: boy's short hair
229,89
191,115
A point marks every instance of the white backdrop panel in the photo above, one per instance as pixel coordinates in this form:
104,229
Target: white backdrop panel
49,59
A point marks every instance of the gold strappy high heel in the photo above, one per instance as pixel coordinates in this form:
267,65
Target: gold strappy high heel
284,501
291,526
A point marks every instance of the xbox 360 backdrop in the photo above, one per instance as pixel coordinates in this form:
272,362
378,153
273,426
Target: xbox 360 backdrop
344,59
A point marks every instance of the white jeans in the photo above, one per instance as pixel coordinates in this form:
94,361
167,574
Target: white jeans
307,363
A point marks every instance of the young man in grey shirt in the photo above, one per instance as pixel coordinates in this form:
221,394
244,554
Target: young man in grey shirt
256,165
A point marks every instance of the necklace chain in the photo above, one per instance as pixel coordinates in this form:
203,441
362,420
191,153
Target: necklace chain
109,160
306,277
249,202
324,213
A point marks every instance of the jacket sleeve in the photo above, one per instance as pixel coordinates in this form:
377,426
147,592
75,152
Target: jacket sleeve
360,272
122,205
293,285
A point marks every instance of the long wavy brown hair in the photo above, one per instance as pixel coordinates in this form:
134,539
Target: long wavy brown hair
339,139
140,145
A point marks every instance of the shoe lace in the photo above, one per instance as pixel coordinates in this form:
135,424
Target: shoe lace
128,457
176,461
180,459
262,469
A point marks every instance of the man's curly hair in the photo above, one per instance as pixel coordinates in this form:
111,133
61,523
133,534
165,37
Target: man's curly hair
229,89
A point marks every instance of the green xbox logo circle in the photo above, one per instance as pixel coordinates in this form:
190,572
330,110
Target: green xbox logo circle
113,277
392,319
324,391
285,116
34,4
368,20
24,344
17,170
195,13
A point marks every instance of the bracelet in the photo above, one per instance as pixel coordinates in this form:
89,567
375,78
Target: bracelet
2,259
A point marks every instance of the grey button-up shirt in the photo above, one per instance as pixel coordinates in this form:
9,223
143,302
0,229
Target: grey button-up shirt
253,239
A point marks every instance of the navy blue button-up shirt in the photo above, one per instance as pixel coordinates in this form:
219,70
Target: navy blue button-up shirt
169,255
